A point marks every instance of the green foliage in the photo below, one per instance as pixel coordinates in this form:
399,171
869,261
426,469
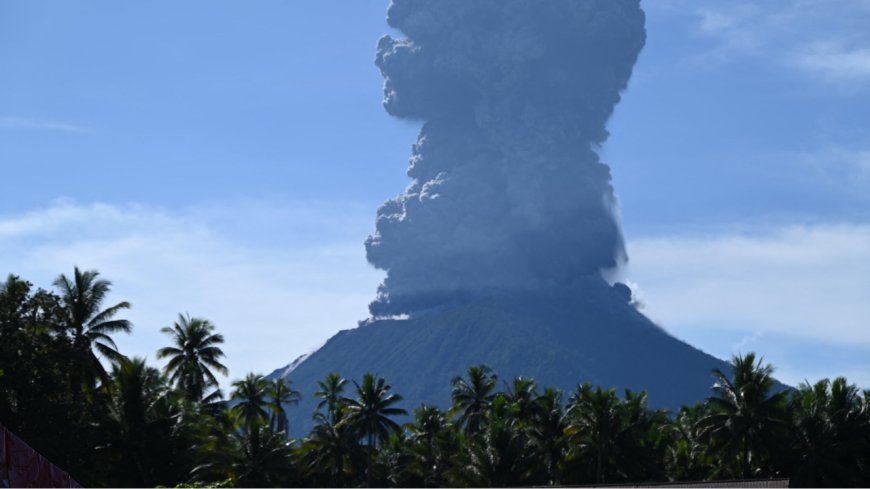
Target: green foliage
281,395
251,394
89,327
116,421
197,485
193,355
744,418
830,425
472,398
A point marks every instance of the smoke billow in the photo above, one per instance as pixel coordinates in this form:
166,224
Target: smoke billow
507,192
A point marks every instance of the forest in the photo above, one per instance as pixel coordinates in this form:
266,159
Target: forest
113,420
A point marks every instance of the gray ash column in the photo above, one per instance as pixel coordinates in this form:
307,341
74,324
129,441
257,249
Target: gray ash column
508,193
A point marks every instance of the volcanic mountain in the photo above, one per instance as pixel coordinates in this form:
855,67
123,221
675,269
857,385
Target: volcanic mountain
495,253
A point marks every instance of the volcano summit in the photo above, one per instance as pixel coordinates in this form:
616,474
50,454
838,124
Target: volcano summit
495,252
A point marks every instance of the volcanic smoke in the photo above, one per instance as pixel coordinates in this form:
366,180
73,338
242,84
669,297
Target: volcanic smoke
508,193
494,253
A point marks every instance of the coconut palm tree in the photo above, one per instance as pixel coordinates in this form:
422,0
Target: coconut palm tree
262,457
331,453
330,395
193,356
369,412
640,446
252,394
430,444
547,433
593,424
281,394
472,398
368,415
89,325
522,399
133,391
687,458
501,454
832,435
744,414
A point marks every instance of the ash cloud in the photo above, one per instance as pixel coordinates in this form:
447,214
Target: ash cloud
507,192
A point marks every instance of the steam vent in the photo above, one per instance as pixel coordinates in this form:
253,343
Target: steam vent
494,252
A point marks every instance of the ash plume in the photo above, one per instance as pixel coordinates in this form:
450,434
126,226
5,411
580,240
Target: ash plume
507,192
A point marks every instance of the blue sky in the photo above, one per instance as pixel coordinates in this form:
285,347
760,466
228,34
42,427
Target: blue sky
226,159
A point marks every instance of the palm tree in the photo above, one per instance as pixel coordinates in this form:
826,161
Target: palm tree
522,399
831,430
641,444
215,447
593,424
330,396
262,457
331,453
744,414
134,390
547,433
82,299
193,356
687,458
472,398
500,454
368,415
281,394
252,393
430,445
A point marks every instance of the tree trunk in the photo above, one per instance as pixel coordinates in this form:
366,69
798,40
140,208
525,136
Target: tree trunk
598,478
371,460
745,456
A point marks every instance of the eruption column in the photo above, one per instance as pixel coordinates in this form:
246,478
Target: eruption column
508,193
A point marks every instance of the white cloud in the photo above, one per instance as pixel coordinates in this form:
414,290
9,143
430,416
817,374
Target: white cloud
730,23
790,291
33,124
822,38
837,169
272,301
279,279
833,61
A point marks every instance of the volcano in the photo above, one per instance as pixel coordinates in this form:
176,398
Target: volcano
497,250
552,336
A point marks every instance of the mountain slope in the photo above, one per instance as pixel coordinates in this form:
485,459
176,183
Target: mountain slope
560,338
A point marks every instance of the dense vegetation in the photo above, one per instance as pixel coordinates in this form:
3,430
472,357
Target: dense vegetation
111,420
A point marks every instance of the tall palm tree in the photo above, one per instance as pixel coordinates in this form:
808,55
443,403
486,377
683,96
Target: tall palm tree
330,395
547,433
193,356
262,457
331,452
501,454
133,391
687,458
472,398
368,415
593,424
832,435
744,413
252,394
641,443
89,324
430,445
281,394
522,399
